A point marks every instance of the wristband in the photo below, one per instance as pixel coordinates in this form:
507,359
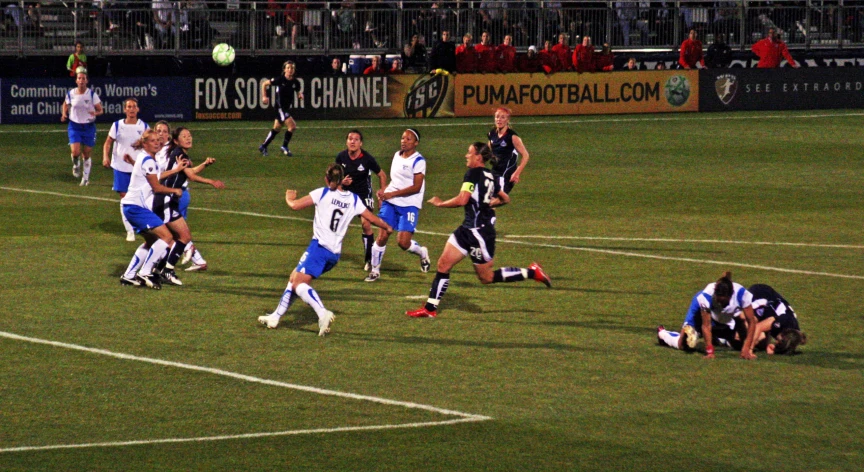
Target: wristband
709,350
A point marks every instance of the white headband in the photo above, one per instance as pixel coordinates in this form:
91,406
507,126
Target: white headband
414,133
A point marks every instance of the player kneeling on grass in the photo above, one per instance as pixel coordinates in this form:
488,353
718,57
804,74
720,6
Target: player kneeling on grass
334,210
481,191
714,310
777,320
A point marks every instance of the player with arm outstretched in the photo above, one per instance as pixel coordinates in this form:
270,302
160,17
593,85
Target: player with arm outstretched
286,86
334,210
475,238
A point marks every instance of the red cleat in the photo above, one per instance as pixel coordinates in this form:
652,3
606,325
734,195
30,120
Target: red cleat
421,312
539,275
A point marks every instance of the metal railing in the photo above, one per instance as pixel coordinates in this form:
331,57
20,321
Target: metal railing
193,27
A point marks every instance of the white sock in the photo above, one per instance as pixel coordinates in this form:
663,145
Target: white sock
126,224
288,297
669,337
75,161
87,164
197,259
137,260
156,253
310,296
415,248
377,256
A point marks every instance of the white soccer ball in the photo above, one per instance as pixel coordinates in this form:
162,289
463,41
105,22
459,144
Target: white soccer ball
223,54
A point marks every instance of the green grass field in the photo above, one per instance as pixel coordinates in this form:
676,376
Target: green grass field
630,216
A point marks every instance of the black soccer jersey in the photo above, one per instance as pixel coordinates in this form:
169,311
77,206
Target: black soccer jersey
360,170
504,150
768,303
179,179
285,90
483,187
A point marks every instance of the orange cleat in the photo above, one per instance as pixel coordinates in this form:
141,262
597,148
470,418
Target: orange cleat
422,312
540,275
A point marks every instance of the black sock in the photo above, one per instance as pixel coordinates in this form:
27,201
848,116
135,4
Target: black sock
287,138
368,239
174,255
510,274
439,287
270,137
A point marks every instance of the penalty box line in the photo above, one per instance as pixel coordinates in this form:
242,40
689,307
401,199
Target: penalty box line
463,417
556,246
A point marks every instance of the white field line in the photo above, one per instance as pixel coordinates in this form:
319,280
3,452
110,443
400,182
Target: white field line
464,417
554,246
426,124
698,241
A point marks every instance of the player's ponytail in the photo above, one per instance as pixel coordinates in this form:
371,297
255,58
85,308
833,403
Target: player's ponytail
483,149
723,287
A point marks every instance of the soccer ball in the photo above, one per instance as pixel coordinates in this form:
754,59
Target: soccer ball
677,90
223,54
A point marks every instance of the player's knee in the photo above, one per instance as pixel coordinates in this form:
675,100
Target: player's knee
405,245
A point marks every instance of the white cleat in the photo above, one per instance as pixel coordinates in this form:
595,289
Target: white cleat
130,236
425,263
271,321
187,254
76,171
691,337
324,323
373,276
84,183
196,267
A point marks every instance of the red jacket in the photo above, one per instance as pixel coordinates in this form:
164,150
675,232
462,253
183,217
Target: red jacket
485,58
691,53
529,64
549,61
583,58
770,53
466,59
563,52
604,62
505,58
373,71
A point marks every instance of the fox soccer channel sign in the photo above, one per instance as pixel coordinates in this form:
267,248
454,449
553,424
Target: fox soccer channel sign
677,90
223,54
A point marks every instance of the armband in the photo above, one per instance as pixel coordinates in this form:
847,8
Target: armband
468,187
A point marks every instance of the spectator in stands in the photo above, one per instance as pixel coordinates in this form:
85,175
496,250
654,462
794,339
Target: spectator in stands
396,67
660,66
530,62
414,54
604,60
336,67
505,56
163,21
76,60
294,20
494,16
562,50
631,64
583,56
466,56
443,54
549,59
375,68
629,14
691,52
195,31
772,50
719,53
485,54
346,25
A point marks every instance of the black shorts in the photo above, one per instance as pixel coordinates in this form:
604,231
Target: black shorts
367,199
282,115
476,243
504,180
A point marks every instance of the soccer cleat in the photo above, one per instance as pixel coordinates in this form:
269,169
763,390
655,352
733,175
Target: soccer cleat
373,276
691,337
187,254
659,340
324,323
368,266
76,171
263,150
540,275
425,263
196,267
84,182
170,277
422,312
286,151
130,236
151,281
133,282
271,321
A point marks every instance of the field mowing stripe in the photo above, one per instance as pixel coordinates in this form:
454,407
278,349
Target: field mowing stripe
556,246
247,378
699,241
688,118
244,436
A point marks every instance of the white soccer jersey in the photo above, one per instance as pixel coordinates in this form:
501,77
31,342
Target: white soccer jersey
741,298
140,192
124,137
162,156
402,171
82,105
334,210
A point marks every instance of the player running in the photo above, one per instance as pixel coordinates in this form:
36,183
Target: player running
118,154
507,146
286,86
334,210
81,106
359,166
480,193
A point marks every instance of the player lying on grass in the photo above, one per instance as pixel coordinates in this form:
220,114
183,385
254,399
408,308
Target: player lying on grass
475,238
334,210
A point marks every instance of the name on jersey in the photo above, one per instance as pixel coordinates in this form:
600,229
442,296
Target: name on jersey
339,203
319,93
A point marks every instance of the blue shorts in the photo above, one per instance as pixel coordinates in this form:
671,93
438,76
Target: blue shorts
316,260
121,181
85,134
400,218
183,203
142,219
